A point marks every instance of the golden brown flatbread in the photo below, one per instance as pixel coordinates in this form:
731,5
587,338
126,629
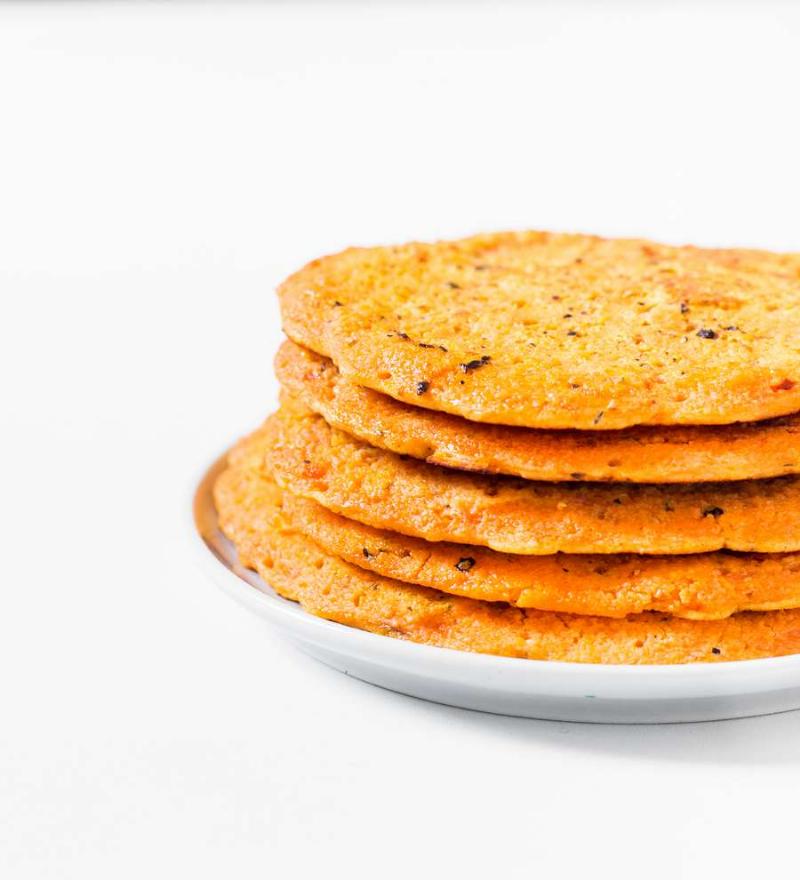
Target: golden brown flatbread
642,454
700,586
327,586
387,491
545,330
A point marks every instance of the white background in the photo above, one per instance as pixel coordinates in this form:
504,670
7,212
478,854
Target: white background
162,166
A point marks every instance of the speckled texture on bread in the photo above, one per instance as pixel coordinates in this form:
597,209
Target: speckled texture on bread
549,330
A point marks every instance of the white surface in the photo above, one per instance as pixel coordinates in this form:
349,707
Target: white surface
161,168
584,692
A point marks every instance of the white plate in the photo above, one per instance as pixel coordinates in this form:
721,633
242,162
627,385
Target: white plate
503,685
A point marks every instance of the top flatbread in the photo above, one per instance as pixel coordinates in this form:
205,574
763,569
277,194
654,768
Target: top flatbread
559,331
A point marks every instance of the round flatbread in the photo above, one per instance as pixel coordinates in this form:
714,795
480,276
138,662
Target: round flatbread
704,586
559,331
701,586
329,587
308,457
641,455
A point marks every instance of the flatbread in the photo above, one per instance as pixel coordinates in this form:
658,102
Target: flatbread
545,330
642,454
701,586
329,587
308,457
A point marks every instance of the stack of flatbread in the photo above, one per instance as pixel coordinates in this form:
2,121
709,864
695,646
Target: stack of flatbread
536,445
